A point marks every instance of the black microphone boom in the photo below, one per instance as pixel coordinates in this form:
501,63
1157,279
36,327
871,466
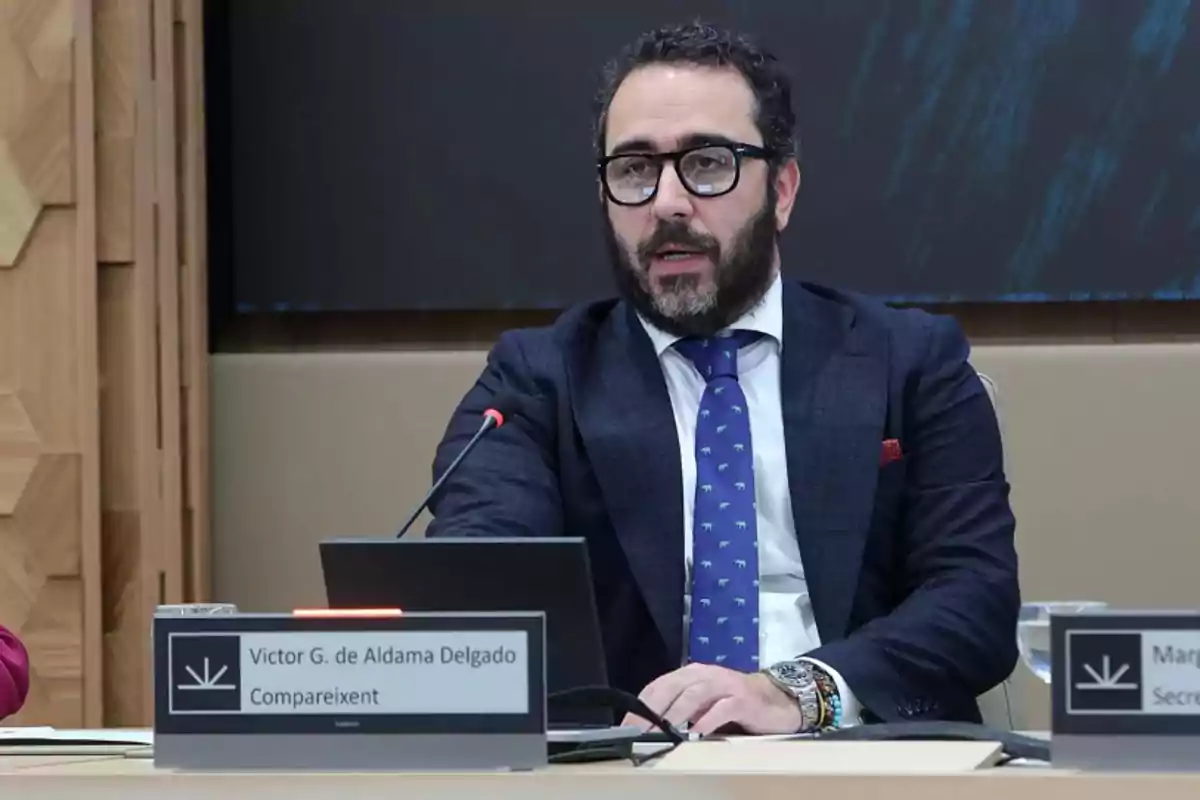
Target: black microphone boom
504,406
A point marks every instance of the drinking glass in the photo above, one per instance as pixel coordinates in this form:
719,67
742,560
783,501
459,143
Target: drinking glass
1033,630
192,610
196,609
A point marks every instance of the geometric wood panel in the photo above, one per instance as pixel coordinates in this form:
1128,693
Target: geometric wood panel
129,563
103,507
131,502
19,449
166,304
153,350
36,47
116,75
47,284
43,363
126,665
193,297
41,535
18,206
44,600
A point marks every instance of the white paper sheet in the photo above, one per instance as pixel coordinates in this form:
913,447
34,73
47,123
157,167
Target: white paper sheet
48,735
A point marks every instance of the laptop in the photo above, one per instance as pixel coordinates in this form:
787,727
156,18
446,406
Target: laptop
551,575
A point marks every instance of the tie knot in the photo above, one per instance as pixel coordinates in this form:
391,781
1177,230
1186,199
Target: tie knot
716,356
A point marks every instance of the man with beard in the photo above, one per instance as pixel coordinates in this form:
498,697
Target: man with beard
794,498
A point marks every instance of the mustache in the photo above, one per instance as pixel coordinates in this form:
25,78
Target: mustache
677,233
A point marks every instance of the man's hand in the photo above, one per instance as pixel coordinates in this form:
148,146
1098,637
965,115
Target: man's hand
709,697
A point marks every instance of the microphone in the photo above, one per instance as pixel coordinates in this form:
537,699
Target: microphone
503,406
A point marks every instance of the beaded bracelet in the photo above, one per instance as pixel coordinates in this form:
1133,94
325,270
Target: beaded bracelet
829,700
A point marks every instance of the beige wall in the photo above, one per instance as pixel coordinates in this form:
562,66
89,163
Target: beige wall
1101,440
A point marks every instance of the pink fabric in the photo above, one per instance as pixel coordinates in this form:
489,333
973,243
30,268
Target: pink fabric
14,673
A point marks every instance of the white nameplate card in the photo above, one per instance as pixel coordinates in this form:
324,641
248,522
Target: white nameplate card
1127,676
351,676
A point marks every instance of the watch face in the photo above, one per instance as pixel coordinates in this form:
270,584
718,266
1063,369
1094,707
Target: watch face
793,674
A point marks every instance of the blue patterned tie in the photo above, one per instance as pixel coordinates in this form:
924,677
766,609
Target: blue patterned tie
724,624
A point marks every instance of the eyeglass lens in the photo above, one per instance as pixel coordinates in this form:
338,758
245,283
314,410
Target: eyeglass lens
706,171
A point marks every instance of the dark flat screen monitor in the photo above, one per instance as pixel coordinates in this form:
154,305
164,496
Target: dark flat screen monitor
551,575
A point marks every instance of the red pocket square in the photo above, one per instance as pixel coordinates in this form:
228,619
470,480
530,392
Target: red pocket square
891,452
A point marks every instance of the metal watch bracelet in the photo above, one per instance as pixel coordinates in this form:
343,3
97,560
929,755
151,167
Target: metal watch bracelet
797,679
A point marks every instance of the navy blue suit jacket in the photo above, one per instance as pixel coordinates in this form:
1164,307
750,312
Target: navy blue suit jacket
910,564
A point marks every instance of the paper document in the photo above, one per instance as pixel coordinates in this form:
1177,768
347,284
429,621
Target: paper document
50,736
25,733
769,737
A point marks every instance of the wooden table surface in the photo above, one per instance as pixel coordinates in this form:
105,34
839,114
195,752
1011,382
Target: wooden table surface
122,775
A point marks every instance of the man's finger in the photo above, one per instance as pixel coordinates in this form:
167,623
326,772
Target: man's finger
657,696
695,699
727,710
663,693
660,693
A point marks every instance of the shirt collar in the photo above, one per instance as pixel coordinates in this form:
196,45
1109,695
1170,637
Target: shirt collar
765,317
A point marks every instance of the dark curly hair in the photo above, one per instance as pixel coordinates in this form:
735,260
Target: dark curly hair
705,45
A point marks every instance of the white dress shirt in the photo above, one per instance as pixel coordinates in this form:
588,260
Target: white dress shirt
786,625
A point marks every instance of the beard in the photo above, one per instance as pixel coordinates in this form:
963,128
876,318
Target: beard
692,305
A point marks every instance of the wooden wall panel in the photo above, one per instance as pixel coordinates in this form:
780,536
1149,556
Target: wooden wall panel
193,295
129,568
48,442
153,348
86,333
166,268
116,70
130,439
103,491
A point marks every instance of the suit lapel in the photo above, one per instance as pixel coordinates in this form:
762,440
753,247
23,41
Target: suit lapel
624,416
833,383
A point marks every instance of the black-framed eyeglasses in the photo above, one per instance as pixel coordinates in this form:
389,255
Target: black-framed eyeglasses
711,170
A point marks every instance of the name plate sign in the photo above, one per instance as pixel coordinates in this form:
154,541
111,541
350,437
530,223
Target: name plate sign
1125,689
411,691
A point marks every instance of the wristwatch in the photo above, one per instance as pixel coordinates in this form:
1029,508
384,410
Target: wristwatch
798,679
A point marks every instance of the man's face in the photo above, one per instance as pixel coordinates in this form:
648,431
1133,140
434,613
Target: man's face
691,264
